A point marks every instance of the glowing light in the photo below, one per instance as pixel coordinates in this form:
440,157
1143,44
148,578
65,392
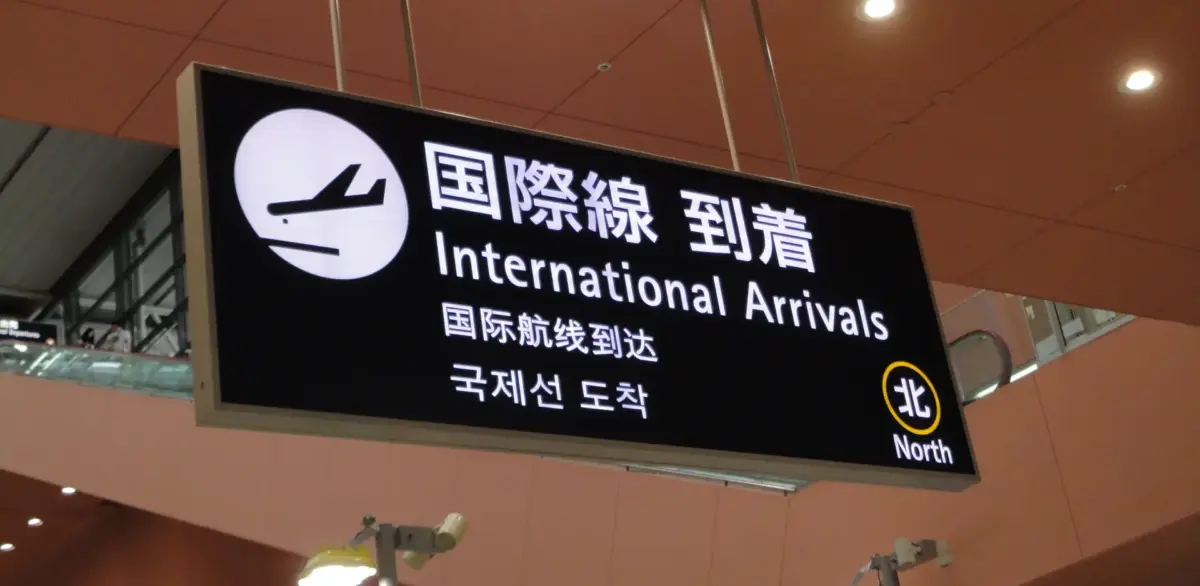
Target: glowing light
337,576
34,522
7,547
1024,372
878,9
1141,80
347,566
68,490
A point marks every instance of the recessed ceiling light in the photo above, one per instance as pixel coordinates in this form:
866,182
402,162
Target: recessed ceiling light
7,547
34,522
1140,80
67,490
877,9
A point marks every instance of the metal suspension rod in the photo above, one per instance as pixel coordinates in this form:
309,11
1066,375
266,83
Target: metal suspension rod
783,127
335,25
385,556
411,48
719,80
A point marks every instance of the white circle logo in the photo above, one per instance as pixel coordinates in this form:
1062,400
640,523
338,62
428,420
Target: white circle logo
321,194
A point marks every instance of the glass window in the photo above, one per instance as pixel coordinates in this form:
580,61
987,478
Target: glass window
1081,325
155,328
152,286
97,299
154,268
150,226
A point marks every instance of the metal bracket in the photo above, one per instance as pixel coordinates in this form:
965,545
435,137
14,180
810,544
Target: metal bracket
416,539
907,554
914,553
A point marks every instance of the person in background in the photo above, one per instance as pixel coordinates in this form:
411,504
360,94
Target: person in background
88,338
118,339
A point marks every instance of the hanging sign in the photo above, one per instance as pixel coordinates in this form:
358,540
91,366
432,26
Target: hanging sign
366,269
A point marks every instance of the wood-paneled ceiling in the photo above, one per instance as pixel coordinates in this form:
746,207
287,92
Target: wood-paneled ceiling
999,121
68,523
1164,557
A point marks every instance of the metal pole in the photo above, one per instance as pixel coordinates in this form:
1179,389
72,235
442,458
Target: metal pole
783,127
719,80
410,47
385,556
889,573
335,25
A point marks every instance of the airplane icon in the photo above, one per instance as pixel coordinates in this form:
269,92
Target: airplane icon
334,196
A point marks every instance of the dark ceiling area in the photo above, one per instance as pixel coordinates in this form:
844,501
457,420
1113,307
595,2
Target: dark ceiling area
1167,556
62,537
67,521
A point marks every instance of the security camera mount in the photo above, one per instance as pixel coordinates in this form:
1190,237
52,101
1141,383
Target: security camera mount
907,554
390,539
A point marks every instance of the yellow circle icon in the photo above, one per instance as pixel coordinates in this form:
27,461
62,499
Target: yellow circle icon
887,398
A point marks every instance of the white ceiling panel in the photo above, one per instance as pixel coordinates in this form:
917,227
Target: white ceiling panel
61,197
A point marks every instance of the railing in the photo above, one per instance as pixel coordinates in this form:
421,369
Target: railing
993,339
153,375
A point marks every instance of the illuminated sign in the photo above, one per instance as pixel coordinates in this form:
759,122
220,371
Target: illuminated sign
366,269
28,331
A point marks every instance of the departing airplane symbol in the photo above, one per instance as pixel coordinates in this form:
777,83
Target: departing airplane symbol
333,197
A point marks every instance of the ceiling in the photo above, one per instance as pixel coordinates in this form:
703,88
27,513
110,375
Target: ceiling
999,121
68,522
1164,557
58,189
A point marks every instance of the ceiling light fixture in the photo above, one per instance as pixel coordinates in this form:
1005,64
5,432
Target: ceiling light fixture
347,566
7,547
68,490
1140,80
34,522
877,9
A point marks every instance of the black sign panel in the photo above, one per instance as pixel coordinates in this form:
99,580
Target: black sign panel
428,278
28,331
